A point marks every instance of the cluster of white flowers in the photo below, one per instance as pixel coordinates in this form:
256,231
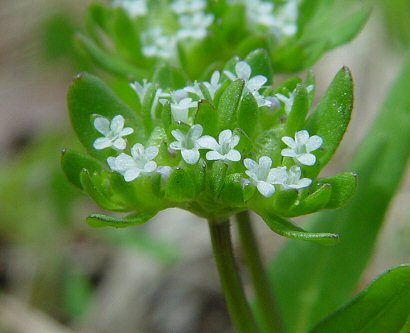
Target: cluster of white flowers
282,20
261,174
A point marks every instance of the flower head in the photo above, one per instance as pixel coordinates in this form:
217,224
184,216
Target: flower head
113,133
223,149
300,148
243,71
263,176
194,25
140,162
293,179
180,105
188,143
156,44
187,6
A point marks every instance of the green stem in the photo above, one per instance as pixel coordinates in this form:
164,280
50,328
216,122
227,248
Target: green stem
238,307
269,319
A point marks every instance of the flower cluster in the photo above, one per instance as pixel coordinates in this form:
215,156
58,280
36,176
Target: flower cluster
194,22
190,141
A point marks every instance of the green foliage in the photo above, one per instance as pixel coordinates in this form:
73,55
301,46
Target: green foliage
383,307
320,279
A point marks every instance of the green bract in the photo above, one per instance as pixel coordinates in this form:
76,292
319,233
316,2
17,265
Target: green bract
129,39
215,148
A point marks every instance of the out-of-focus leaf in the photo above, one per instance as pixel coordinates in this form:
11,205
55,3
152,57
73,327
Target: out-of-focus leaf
343,188
383,307
261,64
320,279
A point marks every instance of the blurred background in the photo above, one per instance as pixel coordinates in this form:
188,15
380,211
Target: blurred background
59,275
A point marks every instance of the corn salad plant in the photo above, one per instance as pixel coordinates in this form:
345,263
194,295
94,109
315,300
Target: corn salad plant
202,126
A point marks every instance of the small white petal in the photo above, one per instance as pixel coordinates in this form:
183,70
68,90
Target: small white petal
102,125
307,159
278,175
124,162
243,70
176,145
265,163
137,150
250,164
102,143
117,123
131,174
120,144
233,155
304,182
215,78
126,131
150,166
177,134
191,156
224,136
313,143
112,163
213,156
208,142
288,152
289,142
195,132
265,189
234,141
301,137
151,152
256,83
230,76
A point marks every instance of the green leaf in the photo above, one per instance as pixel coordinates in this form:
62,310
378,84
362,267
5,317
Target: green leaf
217,177
101,220
321,279
207,116
109,62
287,229
248,115
332,115
228,105
88,96
261,64
181,186
95,186
285,199
383,307
300,108
232,190
169,77
73,163
343,188
312,203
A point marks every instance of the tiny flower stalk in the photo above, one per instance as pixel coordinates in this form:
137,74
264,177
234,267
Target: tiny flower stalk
216,148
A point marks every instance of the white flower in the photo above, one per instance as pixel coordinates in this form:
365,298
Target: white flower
214,84
286,18
260,13
196,90
243,71
156,44
131,167
300,148
263,176
134,8
188,143
223,149
287,100
293,179
187,6
141,89
194,25
113,133
180,104
211,86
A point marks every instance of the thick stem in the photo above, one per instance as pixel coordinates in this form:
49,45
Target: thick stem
238,307
268,317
